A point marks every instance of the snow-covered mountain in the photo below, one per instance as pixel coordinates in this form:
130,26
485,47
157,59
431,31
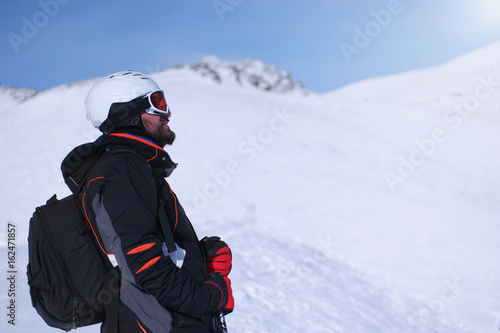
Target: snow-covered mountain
16,94
372,208
12,96
248,73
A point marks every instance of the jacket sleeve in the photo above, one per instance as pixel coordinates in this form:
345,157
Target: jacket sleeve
124,203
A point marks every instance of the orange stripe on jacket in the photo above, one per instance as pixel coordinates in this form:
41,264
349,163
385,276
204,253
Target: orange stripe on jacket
141,326
88,220
220,289
91,227
141,248
128,136
175,203
152,158
148,264
96,178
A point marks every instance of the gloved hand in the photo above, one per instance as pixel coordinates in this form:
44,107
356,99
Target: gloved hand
218,254
221,294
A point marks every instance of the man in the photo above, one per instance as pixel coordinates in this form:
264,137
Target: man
170,281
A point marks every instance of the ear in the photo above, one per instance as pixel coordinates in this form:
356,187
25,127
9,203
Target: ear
137,121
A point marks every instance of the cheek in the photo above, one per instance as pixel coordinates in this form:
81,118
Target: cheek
148,123
145,123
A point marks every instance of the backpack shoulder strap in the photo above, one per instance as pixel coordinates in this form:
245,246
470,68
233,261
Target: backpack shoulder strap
162,216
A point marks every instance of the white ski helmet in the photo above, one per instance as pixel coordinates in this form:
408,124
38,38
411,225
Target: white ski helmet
120,87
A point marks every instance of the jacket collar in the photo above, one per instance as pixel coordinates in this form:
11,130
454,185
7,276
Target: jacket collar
80,160
154,155
138,138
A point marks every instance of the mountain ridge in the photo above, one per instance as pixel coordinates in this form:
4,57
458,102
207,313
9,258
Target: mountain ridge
249,72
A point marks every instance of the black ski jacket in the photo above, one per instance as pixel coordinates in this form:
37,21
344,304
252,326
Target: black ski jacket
120,200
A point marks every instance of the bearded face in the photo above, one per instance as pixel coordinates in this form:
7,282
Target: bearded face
158,129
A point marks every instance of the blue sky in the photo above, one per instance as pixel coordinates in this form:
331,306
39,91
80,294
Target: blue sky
325,44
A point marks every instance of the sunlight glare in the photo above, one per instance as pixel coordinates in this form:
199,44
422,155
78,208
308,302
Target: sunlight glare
488,12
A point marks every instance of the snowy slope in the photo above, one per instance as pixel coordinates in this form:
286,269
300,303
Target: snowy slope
443,214
298,186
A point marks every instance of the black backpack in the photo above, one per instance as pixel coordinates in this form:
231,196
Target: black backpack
72,284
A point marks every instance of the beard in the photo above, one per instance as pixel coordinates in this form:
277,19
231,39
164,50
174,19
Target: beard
164,138
159,132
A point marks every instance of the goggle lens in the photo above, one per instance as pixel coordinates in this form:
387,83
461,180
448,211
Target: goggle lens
158,104
158,100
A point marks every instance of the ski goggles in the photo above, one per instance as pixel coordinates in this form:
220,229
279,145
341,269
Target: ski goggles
157,104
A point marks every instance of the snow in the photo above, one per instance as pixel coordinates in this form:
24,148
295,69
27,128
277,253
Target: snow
372,208
248,73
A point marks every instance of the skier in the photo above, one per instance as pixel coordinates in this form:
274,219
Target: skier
161,289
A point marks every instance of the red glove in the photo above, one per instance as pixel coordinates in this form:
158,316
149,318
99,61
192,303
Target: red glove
218,254
221,294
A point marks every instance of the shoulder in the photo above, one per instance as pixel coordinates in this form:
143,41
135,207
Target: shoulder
123,176
122,165
122,159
